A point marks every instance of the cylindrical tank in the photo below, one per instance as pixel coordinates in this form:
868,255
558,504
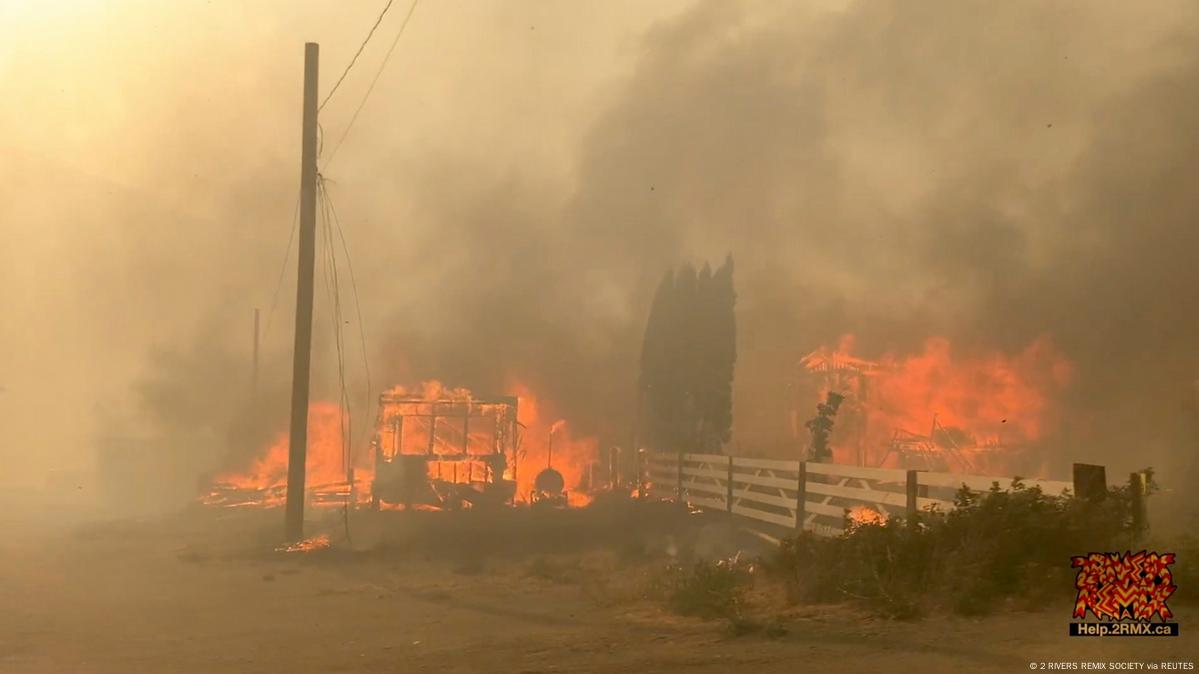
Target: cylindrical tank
549,482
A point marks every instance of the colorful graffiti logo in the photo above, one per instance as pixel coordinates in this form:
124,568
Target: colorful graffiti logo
1128,586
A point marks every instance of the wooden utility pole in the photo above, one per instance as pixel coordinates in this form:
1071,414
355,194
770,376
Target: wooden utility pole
297,451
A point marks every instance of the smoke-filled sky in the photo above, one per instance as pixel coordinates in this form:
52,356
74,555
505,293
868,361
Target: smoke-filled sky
525,171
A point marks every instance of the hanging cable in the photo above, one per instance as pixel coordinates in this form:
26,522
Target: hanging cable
356,55
386,57
354,288
333,289
295,224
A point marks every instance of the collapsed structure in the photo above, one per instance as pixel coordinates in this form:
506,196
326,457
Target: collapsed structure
444,451
940,449
935,410
436,447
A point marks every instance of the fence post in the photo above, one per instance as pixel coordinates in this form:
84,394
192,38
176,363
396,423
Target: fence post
1138,488
679,484
913,491
801,496
640,467
728,498
1090,482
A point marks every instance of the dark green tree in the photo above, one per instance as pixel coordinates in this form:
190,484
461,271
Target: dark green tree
654,383
718,408
687,360
821,426
703,342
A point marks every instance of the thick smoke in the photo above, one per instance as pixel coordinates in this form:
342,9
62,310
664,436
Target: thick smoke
989,172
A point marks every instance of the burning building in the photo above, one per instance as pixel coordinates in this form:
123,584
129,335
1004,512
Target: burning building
935,410
445,448
436,446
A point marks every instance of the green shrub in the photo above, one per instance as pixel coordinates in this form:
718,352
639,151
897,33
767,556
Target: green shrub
994,547
705,589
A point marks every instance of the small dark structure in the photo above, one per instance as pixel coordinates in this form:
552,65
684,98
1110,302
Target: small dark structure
821,426
549,489
448,449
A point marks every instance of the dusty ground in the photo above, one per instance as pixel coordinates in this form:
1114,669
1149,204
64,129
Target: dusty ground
205,593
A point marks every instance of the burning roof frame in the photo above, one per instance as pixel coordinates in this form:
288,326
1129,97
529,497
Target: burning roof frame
396,407
910,447
451,407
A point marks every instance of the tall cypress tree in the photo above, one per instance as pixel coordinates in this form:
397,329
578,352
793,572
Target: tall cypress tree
687,360
703,380
655,348
724,358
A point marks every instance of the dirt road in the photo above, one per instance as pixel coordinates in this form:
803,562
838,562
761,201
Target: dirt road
206,595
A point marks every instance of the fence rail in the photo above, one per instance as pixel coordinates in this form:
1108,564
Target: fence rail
815,496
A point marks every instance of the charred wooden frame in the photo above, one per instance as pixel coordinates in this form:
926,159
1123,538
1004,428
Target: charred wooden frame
429,450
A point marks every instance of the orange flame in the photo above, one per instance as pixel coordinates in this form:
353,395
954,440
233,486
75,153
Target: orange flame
572,456
975,404
320,542
859,515
262,483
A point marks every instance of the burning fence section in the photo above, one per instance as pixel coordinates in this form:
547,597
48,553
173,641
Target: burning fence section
435,446
937,410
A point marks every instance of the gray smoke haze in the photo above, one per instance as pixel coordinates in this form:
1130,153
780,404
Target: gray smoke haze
990,172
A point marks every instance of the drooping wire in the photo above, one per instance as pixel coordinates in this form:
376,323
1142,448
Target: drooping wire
354,288
340,231
374,81
333,290
356,55
332,227
295,225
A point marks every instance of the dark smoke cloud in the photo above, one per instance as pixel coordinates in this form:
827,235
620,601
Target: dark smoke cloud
990,172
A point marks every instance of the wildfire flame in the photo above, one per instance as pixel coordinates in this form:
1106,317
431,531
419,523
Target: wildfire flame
572,457
859,515
263,482
939,400
320,542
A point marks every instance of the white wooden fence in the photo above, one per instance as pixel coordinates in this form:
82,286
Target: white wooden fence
816,496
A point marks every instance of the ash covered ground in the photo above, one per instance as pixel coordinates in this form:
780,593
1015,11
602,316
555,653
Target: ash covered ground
513,591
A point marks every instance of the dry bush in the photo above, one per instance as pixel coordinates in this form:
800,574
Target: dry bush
704,589
994,549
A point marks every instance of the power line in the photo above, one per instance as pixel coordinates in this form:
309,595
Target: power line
356,55
332,286
333,291
295,222
354,287
330,212
354,118
332,225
